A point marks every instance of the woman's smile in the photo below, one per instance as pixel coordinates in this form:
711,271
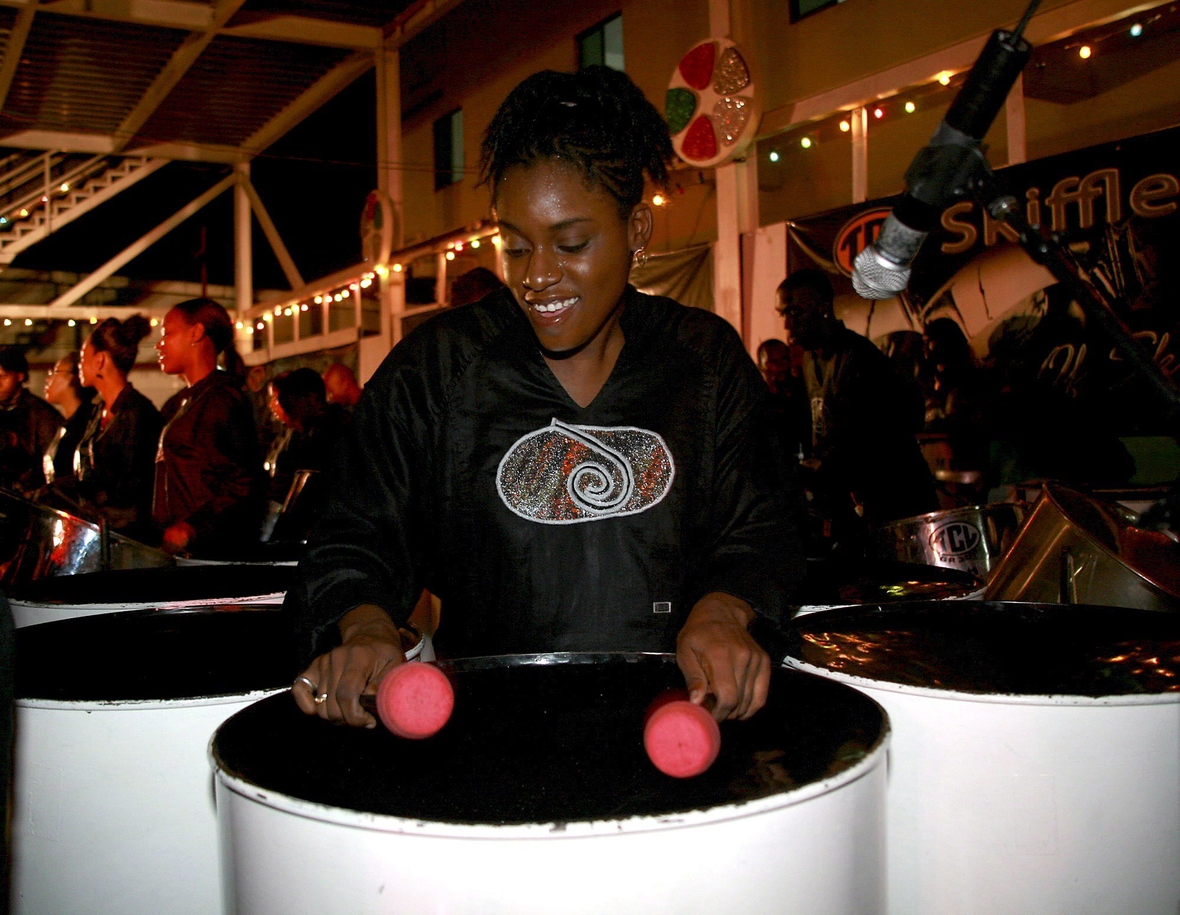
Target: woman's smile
567,255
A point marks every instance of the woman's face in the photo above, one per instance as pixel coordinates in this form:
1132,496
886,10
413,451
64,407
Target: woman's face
566,252
88,364
57,382
174,348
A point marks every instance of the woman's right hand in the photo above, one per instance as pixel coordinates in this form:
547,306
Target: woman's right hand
370,647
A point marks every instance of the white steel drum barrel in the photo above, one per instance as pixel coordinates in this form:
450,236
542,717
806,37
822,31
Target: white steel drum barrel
173,588
113,797
537,797
1035,757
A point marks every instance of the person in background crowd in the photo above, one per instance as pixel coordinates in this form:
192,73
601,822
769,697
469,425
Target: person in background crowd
116,457
64,390
474,285
318,424
258,390
340,384
956,395
277,463
209,493
316,428
27,425
782,371
868,468
569,464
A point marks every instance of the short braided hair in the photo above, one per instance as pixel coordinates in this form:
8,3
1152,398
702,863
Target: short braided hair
596,119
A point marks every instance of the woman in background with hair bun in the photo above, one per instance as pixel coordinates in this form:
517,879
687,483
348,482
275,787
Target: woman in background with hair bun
115,460
209,494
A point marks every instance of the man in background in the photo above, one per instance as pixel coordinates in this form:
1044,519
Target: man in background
341,387
865,417
27,425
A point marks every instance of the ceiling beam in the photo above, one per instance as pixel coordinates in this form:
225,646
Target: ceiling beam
94,143
173,72
172,14
196,17
80,313
12,52
304,30
188,152
332,82
415,20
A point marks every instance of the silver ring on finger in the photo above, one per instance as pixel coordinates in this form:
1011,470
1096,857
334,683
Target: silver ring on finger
310,685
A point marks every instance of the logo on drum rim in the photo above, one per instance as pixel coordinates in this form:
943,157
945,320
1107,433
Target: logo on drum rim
955,538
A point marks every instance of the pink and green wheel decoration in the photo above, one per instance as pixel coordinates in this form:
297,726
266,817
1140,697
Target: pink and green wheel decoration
711,105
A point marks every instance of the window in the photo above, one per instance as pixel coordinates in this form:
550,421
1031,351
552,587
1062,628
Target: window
448,150
602,44
801,8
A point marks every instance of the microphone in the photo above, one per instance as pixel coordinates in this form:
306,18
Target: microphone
942,169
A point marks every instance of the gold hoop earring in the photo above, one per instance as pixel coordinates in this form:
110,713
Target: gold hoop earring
639,257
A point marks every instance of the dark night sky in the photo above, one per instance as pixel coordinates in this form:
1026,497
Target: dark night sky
313,182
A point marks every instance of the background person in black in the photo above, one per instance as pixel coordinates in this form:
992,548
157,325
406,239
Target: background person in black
569,464
866,464
64,390
117,453
209,491
27,425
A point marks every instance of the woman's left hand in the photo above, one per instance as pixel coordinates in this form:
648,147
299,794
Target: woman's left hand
718,656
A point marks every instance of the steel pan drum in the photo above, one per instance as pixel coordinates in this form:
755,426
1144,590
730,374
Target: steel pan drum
1076,549
113,798
1035,759
972,539
165,589
537,797
37,542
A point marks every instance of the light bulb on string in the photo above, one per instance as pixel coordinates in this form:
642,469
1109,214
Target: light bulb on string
878,113
910,107
805,142
845,126
773,157
71,322
475,242
28,322
1085,51
1136,30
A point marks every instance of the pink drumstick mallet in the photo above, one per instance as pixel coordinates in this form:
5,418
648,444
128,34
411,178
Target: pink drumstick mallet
414,700
681,738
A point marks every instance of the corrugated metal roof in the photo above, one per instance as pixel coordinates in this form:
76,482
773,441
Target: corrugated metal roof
208,106
83,75
175,76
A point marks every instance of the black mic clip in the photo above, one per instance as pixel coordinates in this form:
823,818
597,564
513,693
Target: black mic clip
946,168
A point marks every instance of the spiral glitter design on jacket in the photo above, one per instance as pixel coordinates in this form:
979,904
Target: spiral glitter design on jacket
565,474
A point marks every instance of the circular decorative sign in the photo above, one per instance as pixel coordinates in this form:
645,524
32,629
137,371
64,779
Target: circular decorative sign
712,105
378,221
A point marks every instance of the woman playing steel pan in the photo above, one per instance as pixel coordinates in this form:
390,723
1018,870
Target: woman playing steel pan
209,494
570,465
